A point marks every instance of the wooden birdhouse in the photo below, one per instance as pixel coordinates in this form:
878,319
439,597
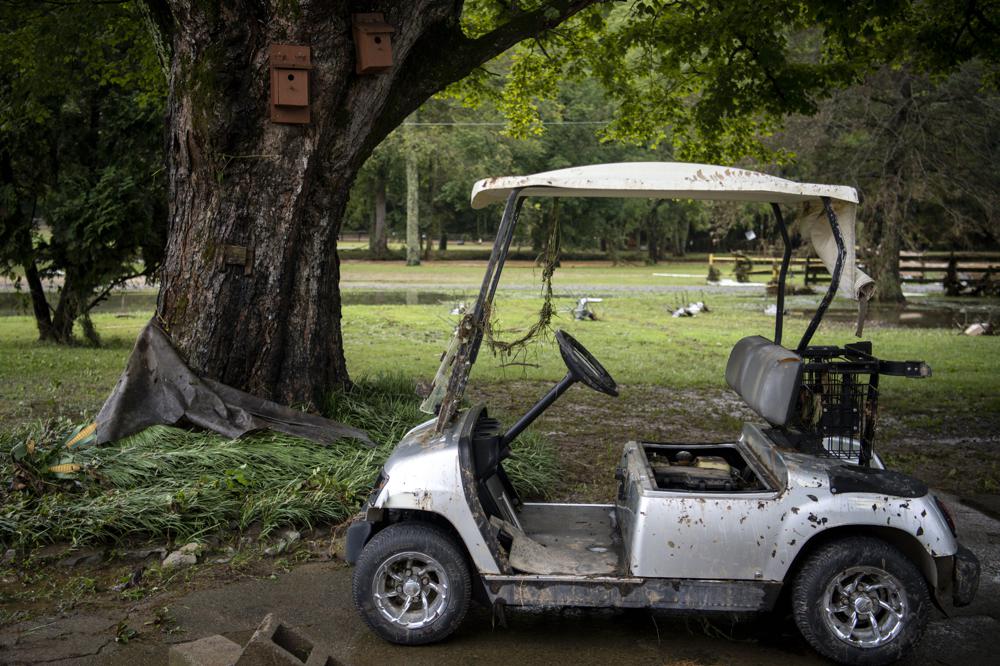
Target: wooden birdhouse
289,67
372,43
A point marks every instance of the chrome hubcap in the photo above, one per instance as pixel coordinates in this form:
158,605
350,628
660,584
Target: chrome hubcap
865,606
410,589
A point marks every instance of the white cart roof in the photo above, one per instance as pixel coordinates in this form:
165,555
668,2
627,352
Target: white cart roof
680,180
658,180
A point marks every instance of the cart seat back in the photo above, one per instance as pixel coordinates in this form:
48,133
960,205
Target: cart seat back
767,376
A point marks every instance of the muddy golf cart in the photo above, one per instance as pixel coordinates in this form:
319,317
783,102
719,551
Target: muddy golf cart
799,507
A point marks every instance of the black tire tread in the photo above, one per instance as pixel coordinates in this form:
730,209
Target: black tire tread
422,537
833,557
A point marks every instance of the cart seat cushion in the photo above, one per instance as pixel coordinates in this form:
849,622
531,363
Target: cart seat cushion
767,376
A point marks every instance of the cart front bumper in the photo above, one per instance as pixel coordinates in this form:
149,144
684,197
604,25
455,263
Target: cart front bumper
357,536
965,581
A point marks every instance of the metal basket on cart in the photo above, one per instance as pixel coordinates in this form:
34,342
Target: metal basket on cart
838,399
839,403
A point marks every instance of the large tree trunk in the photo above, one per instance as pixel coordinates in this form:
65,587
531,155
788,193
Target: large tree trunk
891,207
39,303
886,243
249,281
243,186
272,194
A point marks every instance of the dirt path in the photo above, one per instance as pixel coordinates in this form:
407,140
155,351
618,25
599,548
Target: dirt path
315,598
589,430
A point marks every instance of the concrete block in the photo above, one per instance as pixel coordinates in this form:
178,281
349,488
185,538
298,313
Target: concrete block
276,643
212,651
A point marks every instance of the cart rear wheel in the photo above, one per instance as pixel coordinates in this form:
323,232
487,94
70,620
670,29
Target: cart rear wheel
860,601
411,584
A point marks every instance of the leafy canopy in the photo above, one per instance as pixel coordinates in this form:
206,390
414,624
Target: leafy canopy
81,117
714,79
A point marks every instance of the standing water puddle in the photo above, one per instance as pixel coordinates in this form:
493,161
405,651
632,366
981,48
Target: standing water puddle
944,314
935,313
19,303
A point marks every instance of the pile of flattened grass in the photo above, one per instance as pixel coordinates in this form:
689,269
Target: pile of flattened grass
168,483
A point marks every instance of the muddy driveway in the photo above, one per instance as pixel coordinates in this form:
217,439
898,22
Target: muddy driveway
315,597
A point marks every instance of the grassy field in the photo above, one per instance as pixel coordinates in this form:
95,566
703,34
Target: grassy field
38,381
635,337
649,352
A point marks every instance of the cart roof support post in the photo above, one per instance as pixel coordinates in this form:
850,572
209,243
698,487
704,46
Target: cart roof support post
785,259
473,325
505,235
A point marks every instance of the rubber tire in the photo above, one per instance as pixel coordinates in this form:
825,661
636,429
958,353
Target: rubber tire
833,558
423,538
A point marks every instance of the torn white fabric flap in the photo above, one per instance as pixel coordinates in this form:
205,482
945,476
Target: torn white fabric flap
854,283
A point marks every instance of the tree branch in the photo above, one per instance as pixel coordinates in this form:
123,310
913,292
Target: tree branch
425,72
110,287
519,27
160,23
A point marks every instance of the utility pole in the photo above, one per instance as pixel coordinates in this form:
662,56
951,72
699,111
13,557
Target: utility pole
412,194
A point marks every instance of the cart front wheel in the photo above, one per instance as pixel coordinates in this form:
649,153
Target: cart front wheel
860,601
411,584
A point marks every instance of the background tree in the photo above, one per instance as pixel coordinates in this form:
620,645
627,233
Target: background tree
82,200
669,225
369,206
710,79
380,167
273,328
922,151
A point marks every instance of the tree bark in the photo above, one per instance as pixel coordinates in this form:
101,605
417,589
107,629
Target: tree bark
681,231
274,195
891,208
39,304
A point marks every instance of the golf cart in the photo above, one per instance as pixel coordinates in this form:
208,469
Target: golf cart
798,508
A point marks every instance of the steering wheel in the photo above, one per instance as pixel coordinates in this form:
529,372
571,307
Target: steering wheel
583,366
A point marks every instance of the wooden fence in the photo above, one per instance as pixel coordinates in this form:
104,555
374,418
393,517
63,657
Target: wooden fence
744,266
933,267
914,267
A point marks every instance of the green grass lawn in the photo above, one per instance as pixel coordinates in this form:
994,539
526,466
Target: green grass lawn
670,370
636,339
640,343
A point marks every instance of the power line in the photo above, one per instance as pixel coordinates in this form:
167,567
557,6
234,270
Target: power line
499,124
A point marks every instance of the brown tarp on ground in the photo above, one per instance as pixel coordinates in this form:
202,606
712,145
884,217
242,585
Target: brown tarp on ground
157,388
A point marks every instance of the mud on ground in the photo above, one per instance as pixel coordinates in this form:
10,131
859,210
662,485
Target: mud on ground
61,612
